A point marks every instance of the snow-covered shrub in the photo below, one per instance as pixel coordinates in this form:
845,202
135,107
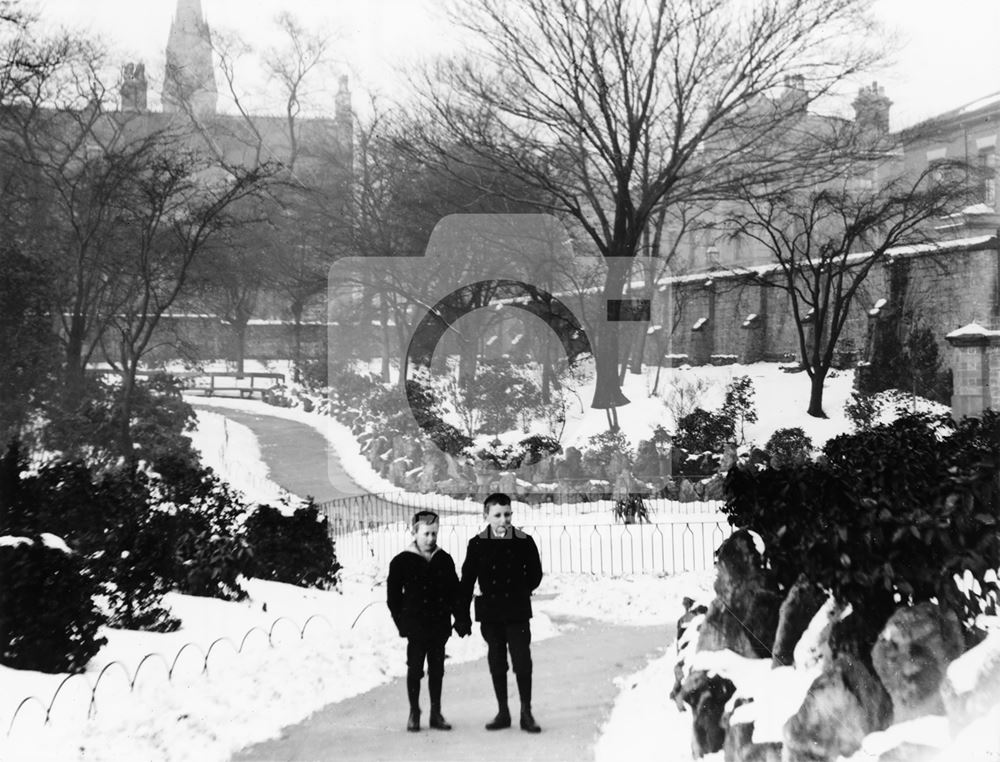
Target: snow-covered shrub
739,404
128,553
108,521
602,449
48,619
537,447
296,549
497,397
861,410
788,446
348,390
88,426
892,515
912,364
210,554
704,431
199,517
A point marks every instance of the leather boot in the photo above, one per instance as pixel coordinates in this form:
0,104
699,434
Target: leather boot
524,693
528,722
502,720
413,721
434,680
413,694
437,721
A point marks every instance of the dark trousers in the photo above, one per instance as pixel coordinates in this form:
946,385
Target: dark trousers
418,650
516,638
508,636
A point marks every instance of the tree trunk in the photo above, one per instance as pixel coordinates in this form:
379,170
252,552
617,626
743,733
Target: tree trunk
240,331
10,470
607,389
468,358
125,443
74,373
659,367
386,349
296,308
816,394
639,349
546,371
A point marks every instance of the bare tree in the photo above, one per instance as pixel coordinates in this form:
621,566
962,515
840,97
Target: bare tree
69,162
176,204
302,230
571,97
827,240
398,199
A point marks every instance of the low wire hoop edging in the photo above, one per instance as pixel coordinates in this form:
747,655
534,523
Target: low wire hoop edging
170,666
373,603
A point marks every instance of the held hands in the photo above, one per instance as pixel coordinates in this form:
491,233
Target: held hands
463,628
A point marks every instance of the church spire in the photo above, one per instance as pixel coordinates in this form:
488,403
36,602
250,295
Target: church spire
189,79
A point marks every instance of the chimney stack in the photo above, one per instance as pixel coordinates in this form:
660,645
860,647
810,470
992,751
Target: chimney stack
871,109
133,88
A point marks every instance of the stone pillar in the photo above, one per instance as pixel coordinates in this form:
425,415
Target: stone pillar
703,331
701,342
976,367
753,341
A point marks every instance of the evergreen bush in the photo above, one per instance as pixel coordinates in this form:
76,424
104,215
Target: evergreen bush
788,446
87,427
704,431
601,449
536,447
109,522
739,406
199,517
889,516
48,619
911,364
296,549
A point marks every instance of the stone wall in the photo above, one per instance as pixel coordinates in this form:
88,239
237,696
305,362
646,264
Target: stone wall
945,290
708,314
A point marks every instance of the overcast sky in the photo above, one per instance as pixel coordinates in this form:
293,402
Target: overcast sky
947,58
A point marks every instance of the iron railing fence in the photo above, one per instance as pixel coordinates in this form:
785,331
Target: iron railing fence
581,537
372,510
602,548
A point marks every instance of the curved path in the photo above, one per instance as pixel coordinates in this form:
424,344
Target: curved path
574,690
574,673
297,456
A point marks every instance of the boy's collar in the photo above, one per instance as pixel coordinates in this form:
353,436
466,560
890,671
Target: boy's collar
487,533
412,547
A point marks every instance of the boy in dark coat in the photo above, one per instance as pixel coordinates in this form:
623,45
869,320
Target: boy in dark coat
422,593
505,562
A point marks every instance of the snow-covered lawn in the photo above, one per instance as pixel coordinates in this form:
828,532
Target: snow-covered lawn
324,646
350,644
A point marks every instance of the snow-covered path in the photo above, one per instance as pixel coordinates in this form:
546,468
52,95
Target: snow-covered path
574,690
582,672
298,457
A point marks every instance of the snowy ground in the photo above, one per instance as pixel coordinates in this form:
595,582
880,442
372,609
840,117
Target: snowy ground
326,646
350,645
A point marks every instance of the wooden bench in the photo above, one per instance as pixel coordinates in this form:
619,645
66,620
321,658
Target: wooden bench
247,384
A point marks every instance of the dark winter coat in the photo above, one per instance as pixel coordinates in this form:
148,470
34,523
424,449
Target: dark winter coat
507,571
422,594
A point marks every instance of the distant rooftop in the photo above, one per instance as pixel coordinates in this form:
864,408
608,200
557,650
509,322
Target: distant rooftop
970,110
